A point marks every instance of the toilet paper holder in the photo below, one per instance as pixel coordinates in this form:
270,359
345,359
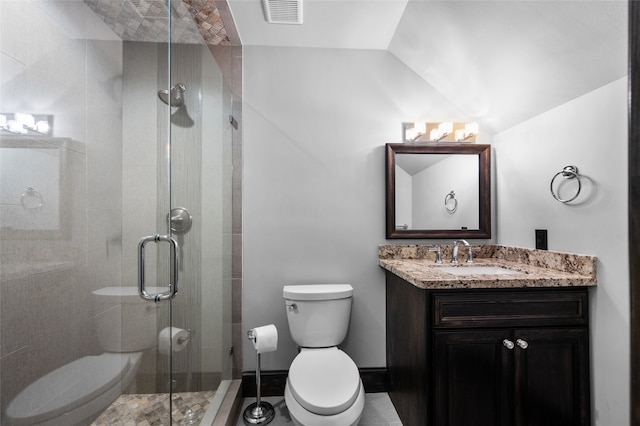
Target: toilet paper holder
259,412
181,340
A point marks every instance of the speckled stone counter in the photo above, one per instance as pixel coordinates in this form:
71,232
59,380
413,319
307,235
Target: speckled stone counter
535,268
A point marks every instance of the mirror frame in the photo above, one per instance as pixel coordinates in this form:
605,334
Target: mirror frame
484,179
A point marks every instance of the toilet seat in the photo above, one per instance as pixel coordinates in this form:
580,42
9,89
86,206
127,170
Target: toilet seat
324,381
91,381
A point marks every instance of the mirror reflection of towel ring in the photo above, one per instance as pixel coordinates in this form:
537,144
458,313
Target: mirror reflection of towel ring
31,199
568,172
451,197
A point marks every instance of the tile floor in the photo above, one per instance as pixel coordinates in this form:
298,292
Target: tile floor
378,411
153,409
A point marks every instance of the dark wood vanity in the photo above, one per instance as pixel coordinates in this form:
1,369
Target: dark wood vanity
488,352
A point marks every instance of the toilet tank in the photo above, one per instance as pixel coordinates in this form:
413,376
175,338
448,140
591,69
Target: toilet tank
318,314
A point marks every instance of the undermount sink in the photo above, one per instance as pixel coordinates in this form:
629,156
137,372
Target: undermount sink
478,270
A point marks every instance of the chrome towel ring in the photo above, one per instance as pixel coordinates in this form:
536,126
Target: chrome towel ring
568,172
451,197
31,199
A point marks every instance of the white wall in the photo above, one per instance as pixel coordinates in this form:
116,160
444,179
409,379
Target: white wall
315,125
591,133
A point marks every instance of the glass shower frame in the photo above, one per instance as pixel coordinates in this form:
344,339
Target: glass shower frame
125,160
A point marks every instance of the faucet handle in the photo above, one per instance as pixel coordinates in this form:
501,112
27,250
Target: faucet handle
438,253
470,255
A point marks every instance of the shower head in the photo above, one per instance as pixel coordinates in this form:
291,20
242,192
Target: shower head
173,97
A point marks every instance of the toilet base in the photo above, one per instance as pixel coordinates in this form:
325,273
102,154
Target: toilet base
301,417
262,415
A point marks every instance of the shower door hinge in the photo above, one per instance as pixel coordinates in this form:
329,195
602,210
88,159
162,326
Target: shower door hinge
233,122
230,350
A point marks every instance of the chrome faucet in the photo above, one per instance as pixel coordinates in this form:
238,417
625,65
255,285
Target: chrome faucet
454,253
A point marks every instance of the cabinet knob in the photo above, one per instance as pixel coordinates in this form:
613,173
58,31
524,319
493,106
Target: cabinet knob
508,344
522,343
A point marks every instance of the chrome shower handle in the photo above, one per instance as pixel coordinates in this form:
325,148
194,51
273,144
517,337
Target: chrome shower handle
173,266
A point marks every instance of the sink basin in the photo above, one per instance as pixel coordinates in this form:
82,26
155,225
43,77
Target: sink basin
478,270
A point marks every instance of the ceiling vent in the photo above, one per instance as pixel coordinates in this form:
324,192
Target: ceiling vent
283,11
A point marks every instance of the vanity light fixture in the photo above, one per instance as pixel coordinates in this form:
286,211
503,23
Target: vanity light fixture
470,130
413,131
439,132
24,124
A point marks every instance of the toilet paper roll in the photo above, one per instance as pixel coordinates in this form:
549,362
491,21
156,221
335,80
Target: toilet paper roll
172,338
265,338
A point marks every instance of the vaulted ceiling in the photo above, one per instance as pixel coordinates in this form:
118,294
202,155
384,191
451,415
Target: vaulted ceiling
500,61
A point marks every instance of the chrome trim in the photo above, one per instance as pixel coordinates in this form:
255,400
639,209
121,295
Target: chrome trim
568,172
173,284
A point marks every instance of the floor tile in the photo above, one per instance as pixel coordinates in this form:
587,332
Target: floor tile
378,411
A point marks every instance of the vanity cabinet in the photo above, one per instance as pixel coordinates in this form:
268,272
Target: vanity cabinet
488,356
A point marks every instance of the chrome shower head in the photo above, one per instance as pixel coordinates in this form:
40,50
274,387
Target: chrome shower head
173,97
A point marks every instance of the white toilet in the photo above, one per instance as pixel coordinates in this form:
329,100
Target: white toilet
76,393
323,387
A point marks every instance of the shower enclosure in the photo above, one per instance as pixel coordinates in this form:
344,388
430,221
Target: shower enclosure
115,129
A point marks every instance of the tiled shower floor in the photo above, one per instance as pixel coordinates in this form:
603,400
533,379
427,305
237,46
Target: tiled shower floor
153,409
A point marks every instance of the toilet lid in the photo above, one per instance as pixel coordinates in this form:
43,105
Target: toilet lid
324,381
67,387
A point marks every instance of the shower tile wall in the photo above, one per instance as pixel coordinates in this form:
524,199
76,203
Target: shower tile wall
55,67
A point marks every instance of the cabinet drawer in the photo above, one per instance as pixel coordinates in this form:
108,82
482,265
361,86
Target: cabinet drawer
508,309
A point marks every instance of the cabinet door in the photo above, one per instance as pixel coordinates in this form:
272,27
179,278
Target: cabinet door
473,378
552,377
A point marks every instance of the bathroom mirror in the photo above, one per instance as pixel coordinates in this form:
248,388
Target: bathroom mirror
440,190
33,200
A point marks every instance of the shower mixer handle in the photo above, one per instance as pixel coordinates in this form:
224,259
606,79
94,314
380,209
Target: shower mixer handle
173,266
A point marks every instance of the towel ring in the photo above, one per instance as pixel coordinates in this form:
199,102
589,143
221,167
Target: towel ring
31,199
451,196
568,172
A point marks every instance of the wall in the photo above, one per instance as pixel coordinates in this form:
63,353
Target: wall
315,125
404,196
591,133
457,173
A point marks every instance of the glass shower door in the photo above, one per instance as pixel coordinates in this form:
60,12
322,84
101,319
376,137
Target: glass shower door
193,217
190,212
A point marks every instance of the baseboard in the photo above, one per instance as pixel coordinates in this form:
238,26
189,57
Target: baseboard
273,381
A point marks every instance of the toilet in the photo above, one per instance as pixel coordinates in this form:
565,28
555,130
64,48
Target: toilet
323,386
78,392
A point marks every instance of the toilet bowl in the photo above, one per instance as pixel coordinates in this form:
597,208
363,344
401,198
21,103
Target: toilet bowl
76,393
323,385
324,388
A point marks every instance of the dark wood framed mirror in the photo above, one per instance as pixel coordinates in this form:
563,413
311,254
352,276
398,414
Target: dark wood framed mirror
438,190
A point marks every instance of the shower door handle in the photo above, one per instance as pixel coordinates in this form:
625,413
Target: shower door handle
173,266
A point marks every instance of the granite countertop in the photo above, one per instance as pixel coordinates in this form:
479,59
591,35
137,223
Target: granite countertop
533,268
